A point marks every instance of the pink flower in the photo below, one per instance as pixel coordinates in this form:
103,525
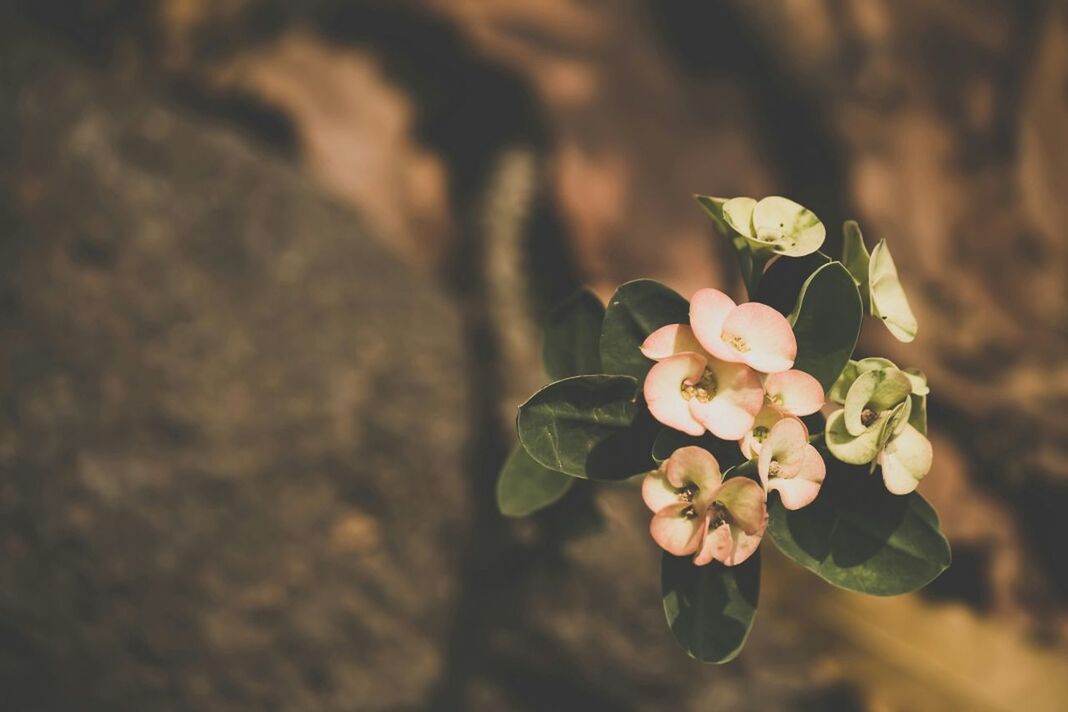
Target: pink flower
750,333
788,393
794,392
691,391
753,440
789,464
696,512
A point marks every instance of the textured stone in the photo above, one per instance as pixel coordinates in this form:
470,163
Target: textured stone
230,425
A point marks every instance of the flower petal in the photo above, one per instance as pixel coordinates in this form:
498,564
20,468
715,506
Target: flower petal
736,541
716,544
759,336
709,309
906,460
744,545
744,499
675,532
670,340
696,465
799,490
877,390
795,392
853,449
738,213
657,492
888,300
729,414
787,227
785,445
663,391
753,441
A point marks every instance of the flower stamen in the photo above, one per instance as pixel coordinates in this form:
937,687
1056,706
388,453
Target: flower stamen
720,516
703,390
735,342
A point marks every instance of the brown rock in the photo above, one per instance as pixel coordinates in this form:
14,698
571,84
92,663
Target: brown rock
229,433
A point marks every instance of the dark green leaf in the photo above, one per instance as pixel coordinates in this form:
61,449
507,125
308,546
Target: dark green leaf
668,440
782,282
525,486
827,322
572,341
636,310
858,536
589,426
710,609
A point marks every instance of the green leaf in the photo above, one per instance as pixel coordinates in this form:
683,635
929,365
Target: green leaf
572,341
888,300
782,281
636,310
589,426
855,257
786,227
860,537
710,609
525,486
668,440
826,322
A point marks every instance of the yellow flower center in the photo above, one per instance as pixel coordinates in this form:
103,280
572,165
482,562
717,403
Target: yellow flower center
720,515
735,342
703,390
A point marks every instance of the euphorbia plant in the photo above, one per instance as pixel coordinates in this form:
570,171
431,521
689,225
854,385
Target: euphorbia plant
720,407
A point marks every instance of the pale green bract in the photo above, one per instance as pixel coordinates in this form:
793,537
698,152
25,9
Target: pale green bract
773,225
853,369
878,282
878,391
888,300
787,227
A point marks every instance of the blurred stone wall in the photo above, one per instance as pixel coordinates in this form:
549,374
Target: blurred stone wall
248,457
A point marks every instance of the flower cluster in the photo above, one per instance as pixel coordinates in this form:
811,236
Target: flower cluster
729,372
723,395
882,422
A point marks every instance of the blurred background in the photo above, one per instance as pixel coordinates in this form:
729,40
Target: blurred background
270,280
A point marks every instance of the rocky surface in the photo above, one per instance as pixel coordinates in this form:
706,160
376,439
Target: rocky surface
231,426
